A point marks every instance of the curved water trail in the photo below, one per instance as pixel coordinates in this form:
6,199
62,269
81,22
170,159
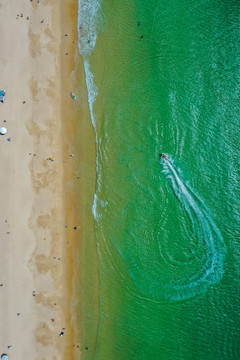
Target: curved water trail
208,236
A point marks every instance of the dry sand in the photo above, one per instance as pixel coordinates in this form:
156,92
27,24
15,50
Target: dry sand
33,244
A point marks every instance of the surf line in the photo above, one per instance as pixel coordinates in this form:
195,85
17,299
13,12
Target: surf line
203,225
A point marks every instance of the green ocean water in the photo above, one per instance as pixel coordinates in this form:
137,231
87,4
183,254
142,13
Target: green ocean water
163,77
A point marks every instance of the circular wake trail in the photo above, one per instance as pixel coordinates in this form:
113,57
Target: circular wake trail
208,235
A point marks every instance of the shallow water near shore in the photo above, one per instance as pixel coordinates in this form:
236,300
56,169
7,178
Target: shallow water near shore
162,77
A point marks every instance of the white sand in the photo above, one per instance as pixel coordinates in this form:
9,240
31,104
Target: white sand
31,207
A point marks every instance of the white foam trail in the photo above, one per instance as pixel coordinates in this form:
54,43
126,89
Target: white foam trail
89,25
92,91
94,207
204,226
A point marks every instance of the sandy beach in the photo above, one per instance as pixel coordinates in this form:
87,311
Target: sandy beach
38,50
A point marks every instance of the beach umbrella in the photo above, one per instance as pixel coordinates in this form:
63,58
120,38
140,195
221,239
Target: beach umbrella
4,357
3,131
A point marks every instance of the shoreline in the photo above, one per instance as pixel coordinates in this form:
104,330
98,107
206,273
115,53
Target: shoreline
70,114
81,181
38,267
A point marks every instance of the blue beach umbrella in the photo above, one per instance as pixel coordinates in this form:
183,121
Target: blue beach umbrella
4,357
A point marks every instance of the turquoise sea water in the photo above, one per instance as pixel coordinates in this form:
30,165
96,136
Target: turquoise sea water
163,77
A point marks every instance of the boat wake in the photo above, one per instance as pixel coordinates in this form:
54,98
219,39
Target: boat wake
207,233
160,269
